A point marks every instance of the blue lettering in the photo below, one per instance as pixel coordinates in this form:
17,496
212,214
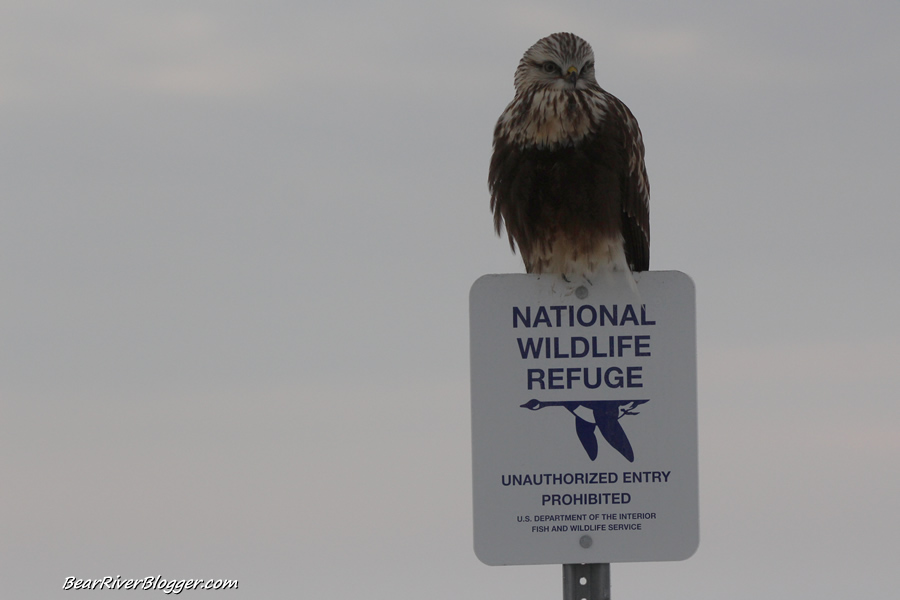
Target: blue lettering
605,314
634,376
591,320
572,374
616,380
596,352
518,316
558,310
585,315
592,377
597,382
531,347
628,315
556,376
542,317
576,353
535,377
640,345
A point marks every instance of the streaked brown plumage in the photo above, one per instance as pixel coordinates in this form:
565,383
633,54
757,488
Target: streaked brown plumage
567,176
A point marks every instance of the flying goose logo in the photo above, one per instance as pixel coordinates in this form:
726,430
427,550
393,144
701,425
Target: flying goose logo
597,414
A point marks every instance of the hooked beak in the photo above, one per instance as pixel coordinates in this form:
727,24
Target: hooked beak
572,75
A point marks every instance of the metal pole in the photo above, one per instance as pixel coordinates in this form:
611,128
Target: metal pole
586,582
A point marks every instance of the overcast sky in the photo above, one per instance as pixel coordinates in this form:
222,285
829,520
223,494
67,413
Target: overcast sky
236,247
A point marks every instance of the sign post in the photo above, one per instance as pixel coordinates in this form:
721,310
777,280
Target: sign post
586,582
584,423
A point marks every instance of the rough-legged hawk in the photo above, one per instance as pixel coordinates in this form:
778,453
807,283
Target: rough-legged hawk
567,176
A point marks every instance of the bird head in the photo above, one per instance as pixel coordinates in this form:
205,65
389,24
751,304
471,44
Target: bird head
561,61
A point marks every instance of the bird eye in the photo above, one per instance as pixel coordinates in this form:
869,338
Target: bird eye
587,67
549,67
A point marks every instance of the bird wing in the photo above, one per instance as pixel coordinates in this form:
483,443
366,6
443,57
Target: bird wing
635,191
613,433
617,137
585,430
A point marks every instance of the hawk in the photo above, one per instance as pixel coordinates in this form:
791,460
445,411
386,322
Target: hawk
567,175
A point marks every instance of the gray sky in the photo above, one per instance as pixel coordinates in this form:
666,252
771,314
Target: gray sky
236,249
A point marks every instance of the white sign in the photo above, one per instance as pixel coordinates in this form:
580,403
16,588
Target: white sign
584,419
